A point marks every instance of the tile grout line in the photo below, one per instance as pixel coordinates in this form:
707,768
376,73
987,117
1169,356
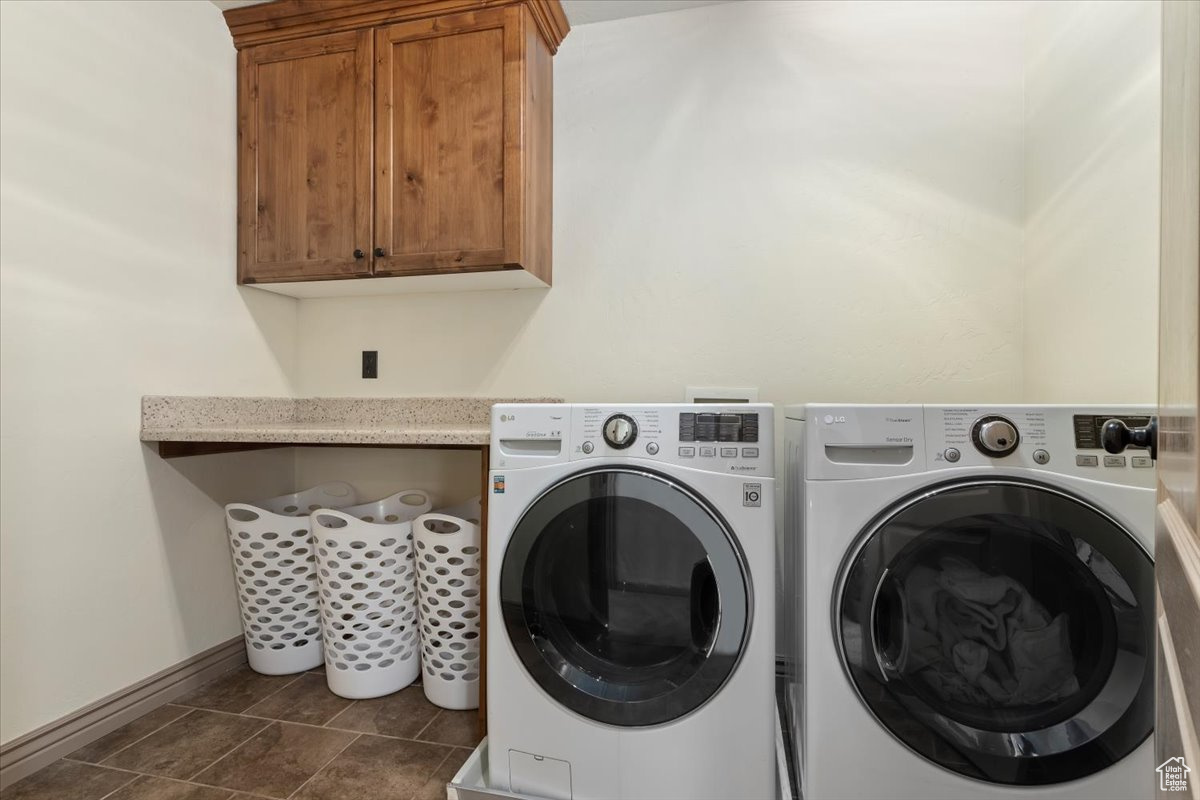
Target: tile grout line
211,764
353,703
432,720
266,697
136,774
132,777
328,727
321,768
117,752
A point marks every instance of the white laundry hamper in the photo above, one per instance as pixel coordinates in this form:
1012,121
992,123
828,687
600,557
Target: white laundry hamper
276,573
448,580
368,594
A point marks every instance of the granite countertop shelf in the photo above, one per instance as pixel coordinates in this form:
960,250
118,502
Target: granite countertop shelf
199,425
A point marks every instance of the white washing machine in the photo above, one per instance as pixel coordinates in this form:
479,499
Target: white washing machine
630,602
974,595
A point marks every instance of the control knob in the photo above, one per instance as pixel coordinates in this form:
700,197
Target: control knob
995,436
1116,436
620,431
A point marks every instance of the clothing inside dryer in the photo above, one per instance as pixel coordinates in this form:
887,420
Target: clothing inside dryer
995,624
1003,630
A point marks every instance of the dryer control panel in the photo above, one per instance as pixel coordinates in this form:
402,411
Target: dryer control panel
734,439
857,441
1059,439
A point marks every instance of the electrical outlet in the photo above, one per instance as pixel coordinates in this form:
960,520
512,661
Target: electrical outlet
370,363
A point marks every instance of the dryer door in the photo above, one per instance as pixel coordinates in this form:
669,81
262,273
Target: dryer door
625,596
1003,630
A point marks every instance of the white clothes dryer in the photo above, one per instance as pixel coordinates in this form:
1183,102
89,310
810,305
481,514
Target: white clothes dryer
974,591
630,602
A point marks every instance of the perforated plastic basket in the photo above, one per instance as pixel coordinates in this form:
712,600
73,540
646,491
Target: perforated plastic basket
448,559
368,594
275,569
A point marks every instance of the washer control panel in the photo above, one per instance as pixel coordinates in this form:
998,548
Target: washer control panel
711,437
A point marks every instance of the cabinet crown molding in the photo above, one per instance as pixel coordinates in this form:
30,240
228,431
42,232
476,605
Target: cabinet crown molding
283,20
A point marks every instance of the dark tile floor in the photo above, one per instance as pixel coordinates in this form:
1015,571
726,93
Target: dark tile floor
246,735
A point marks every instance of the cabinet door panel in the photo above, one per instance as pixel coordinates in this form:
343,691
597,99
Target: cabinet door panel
444,123
305,158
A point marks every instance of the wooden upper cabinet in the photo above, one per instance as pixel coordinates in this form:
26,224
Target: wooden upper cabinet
304,172
415,132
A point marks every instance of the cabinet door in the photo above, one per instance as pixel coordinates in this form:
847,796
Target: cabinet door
447,146
304,158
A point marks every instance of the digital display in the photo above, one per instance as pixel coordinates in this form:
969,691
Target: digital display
718,427
1089,426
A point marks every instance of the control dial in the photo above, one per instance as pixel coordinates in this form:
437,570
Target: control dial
995,436
620,431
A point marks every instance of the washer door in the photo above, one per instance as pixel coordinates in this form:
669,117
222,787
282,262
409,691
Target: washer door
1003,630
625,596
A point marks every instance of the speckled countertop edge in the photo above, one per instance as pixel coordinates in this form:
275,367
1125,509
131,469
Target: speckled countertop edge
322,420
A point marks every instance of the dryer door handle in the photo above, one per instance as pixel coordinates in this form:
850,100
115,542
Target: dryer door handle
887,622
706,605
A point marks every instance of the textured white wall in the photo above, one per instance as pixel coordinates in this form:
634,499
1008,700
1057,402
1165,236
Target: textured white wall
1092,202
820,199
117,150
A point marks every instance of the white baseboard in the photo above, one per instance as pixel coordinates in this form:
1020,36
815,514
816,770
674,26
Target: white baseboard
29,753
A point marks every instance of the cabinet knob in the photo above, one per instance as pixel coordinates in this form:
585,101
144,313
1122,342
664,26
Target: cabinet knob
359,254
380,252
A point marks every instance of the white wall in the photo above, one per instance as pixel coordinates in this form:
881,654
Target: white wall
1092,201
820,199
117,280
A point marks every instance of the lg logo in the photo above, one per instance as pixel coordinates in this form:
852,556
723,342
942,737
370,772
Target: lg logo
830,419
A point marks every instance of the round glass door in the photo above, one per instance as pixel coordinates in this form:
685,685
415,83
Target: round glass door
1003,630
625,597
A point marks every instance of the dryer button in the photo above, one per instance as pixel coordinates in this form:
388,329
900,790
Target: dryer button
952,455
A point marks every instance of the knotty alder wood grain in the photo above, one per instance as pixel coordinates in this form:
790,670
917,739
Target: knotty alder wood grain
291,19
305,130
425,145
441,174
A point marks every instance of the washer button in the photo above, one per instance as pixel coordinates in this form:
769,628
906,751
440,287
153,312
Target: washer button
952,455
687,452
588,447
1114,461
749,452
1142,461
1087,461
708,452
652,448
1041,457
728,452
